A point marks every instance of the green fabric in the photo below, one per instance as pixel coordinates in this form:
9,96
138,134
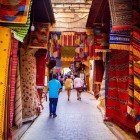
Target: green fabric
68,51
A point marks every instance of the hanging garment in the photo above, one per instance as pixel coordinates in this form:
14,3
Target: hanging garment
5,45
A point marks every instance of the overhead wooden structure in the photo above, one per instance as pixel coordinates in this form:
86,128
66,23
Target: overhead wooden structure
42,11
99,13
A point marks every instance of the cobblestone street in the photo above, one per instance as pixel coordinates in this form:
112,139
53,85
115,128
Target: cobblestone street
76,120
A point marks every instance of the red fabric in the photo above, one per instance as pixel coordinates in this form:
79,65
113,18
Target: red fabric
117,93
13,69
40,61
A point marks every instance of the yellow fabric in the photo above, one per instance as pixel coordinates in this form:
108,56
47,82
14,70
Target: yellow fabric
5,44
68,83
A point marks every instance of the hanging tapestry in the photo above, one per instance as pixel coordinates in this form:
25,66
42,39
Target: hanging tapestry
40,65
68,38
12,82
13,11
28,84
119,40
117,89
55,44
121,14
5,44
39,37
67,53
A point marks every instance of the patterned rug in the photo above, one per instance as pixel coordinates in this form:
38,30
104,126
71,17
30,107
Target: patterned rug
28,84
13,11
5,37
121,14
117,89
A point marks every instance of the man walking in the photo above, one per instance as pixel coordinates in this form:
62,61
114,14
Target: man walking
54,88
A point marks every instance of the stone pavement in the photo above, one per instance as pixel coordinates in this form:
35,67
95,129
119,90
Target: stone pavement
76,120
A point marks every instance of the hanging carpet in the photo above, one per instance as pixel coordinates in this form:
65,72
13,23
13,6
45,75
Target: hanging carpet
13,11
117,89
121,14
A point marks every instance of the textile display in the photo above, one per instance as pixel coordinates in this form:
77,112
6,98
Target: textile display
19,30
13,11
18,100
130,107
121,14
28,84
73,38
5,43
12,82
137,94
40,65
55,44
67,53
119,40
39,37
117,89
136,43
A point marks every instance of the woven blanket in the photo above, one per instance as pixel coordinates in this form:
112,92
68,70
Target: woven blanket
121,14
117,92
40,37
13,11
5,37
119,40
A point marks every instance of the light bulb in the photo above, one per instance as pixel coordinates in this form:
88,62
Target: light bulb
32,28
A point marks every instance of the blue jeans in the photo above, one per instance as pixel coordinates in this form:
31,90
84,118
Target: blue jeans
53,105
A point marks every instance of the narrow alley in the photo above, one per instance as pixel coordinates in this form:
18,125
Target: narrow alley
76,120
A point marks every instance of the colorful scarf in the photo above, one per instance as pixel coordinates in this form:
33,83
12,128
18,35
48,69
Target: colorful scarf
121,14
13,11
5,38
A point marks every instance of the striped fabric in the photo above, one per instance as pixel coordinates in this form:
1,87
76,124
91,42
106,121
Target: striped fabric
13,69
18,100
